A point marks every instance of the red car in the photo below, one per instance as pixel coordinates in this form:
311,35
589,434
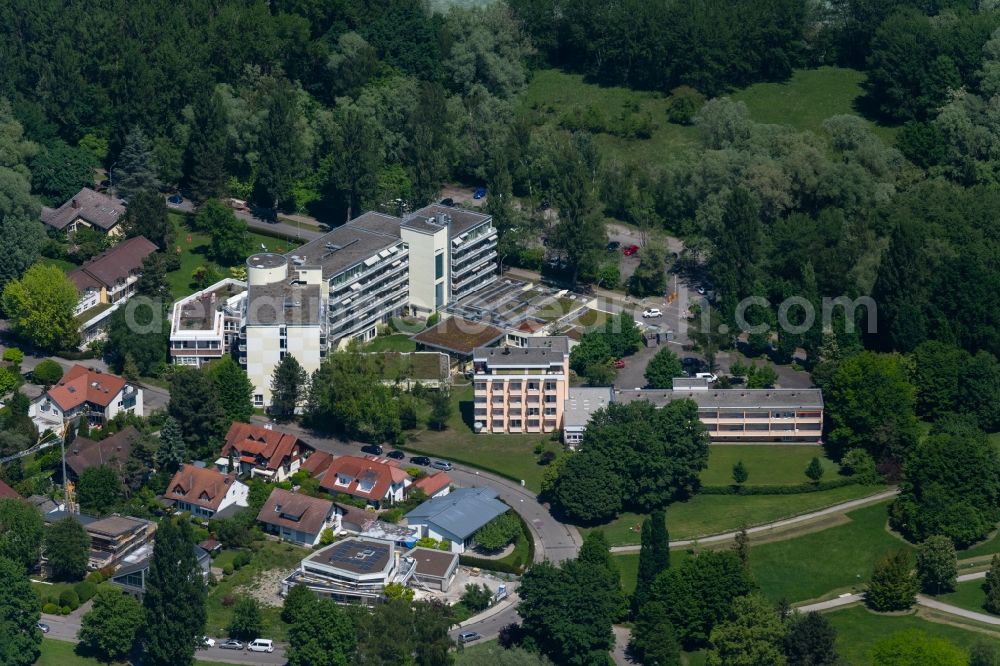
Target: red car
630,250
619,364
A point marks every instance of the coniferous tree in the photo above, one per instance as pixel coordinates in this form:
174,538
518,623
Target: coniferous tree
992,586
174,601
288,387
172,452
194,402
67,548
146,216
740,473
20,639
234,387
811,641
280,144
893,585
654,557
205,166
741,546
137,168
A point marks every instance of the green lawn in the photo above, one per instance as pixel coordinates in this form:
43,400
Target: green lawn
513,455
768,465
816,564
988,547
628,566
704,515
59,653
803,102
271,556
396,343
858,630
193,248
968,595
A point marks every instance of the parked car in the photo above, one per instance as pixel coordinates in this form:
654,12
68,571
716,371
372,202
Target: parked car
374,449
442,465
448,202
701,290
710,376
619,363
231,644
468,637
479,193
175,200
630,250
261,645
652,312
613,246
207,642
420,460
44,628
395,455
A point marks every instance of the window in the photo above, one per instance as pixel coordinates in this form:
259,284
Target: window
439,266
550,411
550,399
438,295
550,386
258,399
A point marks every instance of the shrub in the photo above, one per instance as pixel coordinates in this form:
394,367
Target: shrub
228,600
47,372
241,560
94,577
85,591
547,457
444,545
227,570
51,609
69,598
66,610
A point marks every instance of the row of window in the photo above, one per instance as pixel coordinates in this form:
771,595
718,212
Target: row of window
514,386
532,411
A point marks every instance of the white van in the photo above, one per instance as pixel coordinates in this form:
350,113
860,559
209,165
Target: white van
707,375
261,645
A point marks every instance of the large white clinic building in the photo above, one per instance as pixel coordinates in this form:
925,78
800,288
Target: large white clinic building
345,284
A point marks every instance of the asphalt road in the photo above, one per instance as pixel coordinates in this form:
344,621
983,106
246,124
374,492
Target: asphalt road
553,540
65,628
260,223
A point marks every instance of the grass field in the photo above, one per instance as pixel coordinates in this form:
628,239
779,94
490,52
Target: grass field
803,102
396,343
969,595
628,566
773,464
58,653
513,455
193,248
704,515
271,556
858,630
815,564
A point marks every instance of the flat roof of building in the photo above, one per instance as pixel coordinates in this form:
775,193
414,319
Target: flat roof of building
433,563
583,401
461,219
287,302
730,398
538,351
351,243
358,556
266,260
197,312
459,336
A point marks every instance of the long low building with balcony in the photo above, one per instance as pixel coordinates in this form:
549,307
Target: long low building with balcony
745,415
205,325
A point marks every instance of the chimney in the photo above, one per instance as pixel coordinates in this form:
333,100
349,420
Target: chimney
74,203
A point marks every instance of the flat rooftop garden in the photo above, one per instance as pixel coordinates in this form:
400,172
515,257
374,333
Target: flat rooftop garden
458,335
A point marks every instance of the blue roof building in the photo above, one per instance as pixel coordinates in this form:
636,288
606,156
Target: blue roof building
457,515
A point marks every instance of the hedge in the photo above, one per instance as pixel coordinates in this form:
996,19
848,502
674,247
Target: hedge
85,591
51,609
489,565
795,489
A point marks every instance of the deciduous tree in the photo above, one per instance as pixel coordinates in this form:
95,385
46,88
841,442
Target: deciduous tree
110,627
653,639
40,308
21,240
916,648
245,624
322,635
662,369
20,533
194,403
234,388
99,490
753,635
20,638
67,549
496,534
937,564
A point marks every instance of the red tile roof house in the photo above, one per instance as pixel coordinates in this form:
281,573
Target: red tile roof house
110,277
6,492
372,479
261,452
205,492
84,453
300,519
434,485
87,208
84,393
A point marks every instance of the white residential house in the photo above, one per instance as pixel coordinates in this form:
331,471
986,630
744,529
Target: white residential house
300,519
205,492
83,393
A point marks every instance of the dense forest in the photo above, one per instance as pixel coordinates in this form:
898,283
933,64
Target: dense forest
334,107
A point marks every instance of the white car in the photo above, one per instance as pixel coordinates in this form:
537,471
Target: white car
207,642
261,645
707,375
651,313
701,290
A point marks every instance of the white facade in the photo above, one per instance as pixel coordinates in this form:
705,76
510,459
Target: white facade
46,413
429,258
237,494
204,325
